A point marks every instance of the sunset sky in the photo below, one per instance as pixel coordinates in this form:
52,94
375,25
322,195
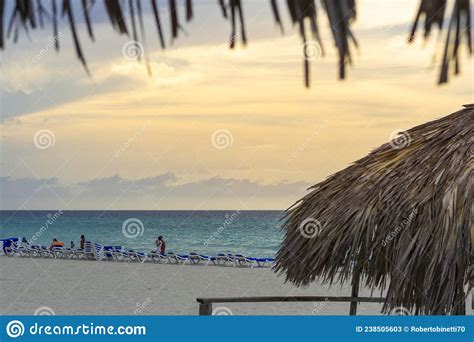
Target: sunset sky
125,140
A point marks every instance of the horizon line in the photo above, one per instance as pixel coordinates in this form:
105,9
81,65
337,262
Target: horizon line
143,210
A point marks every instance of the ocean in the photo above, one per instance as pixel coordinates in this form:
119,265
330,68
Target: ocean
252,233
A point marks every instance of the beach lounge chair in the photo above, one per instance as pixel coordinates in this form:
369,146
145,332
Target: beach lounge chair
183,258
109,253
269,262
44,251
197,258
139,256
17,249
120,254
240,260
89,250
178,258
164,257
222,259
58,252
237,260
172,259
159,257
116,252
7,244
130,255
11,247
33,251
208,259
66,252
94,250
78,253
194,258
258,262
155,256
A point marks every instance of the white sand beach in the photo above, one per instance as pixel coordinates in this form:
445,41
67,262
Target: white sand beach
112,288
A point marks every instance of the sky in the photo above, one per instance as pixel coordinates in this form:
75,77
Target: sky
211,128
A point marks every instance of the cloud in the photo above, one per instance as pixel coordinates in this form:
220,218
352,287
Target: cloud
53,80
25,193
158,192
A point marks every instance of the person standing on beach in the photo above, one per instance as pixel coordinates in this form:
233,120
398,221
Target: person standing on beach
83,242
56,243
160,245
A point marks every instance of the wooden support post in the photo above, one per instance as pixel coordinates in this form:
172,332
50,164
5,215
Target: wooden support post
461,307
469,304
205,309
355,291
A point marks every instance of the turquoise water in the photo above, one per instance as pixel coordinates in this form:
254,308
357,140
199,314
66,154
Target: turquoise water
252,233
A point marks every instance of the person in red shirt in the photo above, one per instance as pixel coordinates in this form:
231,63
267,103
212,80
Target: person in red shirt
160,245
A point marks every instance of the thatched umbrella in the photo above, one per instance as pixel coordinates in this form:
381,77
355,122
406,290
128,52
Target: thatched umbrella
400,218
31,14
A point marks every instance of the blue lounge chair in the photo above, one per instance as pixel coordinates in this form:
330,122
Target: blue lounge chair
208,259
222,259
178,258
258,262
45,252
159,257
34,251
94,250
109,253
58,252
7,244
77,253
10,247
140,256
197,258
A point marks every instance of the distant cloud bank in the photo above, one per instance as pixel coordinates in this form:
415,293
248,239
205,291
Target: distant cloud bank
165,191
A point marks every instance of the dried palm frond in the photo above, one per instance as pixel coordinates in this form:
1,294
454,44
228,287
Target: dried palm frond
459,25
114,10
402,216
235,8
156,15
340,13
276,15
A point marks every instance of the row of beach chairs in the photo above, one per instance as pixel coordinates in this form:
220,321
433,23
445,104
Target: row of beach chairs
95,251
